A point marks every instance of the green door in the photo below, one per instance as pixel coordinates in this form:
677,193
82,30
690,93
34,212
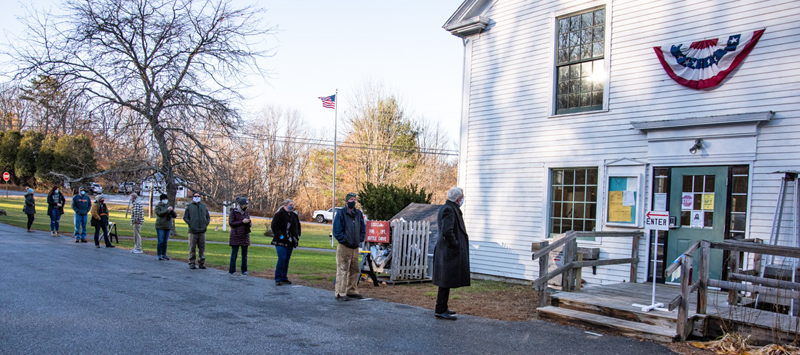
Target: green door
698,200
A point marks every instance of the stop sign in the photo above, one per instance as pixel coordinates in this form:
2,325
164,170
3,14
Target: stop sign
6,176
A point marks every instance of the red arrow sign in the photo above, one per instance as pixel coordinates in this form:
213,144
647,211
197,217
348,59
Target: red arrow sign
655,214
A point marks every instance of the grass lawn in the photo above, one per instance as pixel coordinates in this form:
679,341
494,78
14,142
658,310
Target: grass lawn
313,235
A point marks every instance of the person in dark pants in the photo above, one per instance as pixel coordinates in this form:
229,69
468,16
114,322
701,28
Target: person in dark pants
30,208
197,218
240,234
164,222
81,204
100,221
55,208
451,254
285,237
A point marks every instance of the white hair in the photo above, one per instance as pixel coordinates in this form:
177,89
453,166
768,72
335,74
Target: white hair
287,202
454,194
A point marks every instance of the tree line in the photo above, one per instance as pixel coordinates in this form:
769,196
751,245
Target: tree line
155,88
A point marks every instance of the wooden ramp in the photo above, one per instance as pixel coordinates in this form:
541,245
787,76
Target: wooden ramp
610,307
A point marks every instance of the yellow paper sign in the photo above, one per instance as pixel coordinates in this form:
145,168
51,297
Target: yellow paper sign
616,211
708,201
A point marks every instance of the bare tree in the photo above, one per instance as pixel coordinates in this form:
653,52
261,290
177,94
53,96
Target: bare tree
177,64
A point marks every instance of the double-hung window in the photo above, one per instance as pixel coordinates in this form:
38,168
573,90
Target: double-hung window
580,62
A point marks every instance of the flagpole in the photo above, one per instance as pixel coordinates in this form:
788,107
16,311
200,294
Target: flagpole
335,128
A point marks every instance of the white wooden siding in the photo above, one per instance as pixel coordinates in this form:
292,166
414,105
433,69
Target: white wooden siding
511,138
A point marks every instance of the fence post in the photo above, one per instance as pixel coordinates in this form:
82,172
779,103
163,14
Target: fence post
634,255
683,307
702,290
543,265
568,277
733,268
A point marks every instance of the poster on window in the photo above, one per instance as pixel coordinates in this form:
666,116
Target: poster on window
687,201
698,219
708,202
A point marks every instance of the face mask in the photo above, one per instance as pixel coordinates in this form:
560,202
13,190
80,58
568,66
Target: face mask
56,191
196,199
83,193
30,191
102,201
244,207
462,201
164,201
290,208
351,204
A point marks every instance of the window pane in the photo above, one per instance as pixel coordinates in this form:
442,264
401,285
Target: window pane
686,218
578,208
574,100
698,183
586,51
589,225
591,177
597,98
599,34
740,184
586,100
710,179
739,203
575,71
600,17
556,226
708,219
687,183
591,210
563,87
698,201
597,50
586,69
567,210
738,222
580,191
587,35
740,170
575,23
586,20
580,177
569,193
563,101
557,210
563,25
569,177
563,57
558,194
558,177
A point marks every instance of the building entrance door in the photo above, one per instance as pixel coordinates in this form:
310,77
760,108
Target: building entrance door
698,200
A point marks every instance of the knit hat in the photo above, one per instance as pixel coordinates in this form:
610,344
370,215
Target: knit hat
349,195
134,195
163,196
99,197
241,201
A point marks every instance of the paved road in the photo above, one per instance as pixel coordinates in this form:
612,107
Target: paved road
58,297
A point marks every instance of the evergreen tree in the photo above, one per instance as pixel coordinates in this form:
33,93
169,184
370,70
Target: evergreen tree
381,202
9,145
27,154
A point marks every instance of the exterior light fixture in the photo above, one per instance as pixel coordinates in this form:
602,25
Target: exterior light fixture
698,144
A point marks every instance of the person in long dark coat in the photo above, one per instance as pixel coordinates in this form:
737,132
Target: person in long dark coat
285,237
30,207
240,234
451,254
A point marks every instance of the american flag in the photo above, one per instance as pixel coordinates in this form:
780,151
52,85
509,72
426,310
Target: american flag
328,101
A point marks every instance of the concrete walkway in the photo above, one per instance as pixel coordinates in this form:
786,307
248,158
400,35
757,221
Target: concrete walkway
59,297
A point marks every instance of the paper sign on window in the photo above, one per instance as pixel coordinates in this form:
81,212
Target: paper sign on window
687,201
698,219
708,201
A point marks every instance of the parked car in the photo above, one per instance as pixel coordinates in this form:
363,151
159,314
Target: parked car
128,187
95,188
323,216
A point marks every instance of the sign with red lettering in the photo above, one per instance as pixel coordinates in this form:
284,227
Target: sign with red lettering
378,232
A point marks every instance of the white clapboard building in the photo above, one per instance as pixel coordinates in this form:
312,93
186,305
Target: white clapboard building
583,115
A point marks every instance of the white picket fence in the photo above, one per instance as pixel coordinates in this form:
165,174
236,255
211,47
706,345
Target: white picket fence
409,250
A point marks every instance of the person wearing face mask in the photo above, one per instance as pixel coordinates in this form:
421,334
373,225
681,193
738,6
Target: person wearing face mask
164,221
30,208
197,218
137,219
349,229
240,234
100,221
81,204
55,208
285,237
451,253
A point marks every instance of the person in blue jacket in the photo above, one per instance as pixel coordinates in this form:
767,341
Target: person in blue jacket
81,204
350,229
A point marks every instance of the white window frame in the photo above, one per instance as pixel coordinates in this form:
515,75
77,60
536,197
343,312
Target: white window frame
569,10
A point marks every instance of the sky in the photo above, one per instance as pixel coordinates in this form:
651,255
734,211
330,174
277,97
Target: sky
321,46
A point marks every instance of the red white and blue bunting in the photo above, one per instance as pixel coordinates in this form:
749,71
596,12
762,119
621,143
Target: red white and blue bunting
704,64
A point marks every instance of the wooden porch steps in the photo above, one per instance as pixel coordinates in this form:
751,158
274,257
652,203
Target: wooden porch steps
629,328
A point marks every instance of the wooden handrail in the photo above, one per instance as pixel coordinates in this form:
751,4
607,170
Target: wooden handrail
569,236
677,263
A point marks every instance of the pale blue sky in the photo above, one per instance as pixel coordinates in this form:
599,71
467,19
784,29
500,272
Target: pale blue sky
324,45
